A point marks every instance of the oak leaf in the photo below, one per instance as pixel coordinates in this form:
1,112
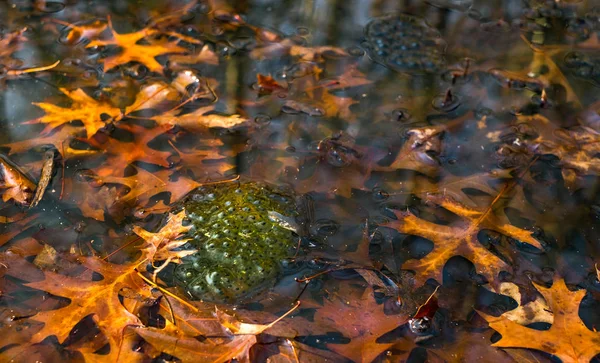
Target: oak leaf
531,77
152,95
60,138
415,152
310,94
16,184
568,338
205,161
449,185
467,345
122,153
576,147
525,314
189,349
199,119
131,51
97,298
457,239
363,321
83,108
234,342
140,186
96,200
117,196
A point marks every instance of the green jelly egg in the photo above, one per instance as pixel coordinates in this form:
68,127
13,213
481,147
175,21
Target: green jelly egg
239,248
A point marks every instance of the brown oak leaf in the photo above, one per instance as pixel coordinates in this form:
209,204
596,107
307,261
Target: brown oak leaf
363,321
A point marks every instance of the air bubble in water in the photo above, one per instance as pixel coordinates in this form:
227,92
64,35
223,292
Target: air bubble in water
262,120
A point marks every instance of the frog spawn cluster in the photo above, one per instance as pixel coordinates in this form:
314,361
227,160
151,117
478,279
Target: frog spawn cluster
405,44
239,248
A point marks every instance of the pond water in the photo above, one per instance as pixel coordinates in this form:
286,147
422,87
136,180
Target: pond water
439,161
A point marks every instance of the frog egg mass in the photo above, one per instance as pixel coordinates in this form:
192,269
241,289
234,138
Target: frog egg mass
240,249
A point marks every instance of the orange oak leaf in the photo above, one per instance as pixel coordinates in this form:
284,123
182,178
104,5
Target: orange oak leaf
361,320
131,51
122,153
530,77
97,298
141,186
83,108
161,246
531,312
568,338
458,239
157,93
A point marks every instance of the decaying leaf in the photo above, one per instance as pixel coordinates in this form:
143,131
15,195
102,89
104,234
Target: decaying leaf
16,184
525,314
45,176
190,349
199,119
11,42
163,245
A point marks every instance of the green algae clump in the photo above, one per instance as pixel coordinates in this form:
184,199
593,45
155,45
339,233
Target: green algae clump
240,249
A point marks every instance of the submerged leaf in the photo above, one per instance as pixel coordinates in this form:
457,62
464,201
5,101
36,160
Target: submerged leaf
568,338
